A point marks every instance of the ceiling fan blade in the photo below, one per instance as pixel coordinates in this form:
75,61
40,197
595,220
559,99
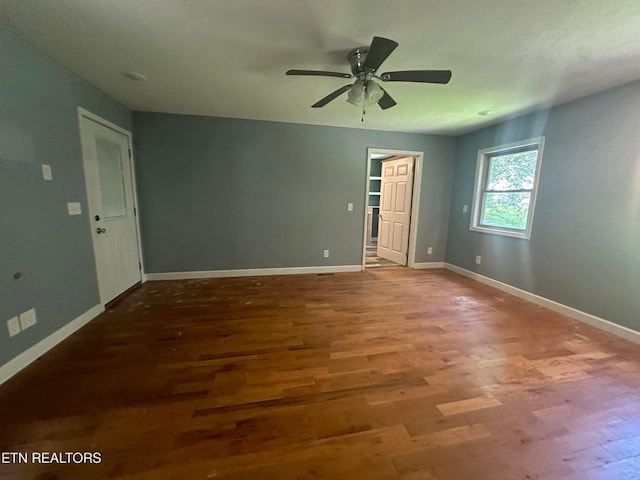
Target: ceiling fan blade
425,76
319,73
332,96
386,101
379,50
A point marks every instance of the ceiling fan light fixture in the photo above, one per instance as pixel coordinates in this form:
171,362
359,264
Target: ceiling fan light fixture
356,93
373,94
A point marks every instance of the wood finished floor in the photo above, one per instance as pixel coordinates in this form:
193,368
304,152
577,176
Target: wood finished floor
372,260
385,374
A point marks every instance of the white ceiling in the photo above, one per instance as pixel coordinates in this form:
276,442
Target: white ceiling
227,58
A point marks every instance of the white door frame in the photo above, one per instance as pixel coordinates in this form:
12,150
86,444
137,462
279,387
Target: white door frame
83,116
415,200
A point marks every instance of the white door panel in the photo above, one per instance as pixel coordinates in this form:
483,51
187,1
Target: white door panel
398,237
108,173
386,198
401,195
383,234
395,208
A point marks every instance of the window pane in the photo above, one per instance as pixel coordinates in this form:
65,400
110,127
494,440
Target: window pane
111,181
506,210
512,171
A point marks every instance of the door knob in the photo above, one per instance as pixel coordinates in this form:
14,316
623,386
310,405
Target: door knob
101,230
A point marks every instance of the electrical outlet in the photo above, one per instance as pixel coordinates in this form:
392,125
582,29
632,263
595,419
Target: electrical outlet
350,207
465,208
478,259
13,325
429,250
325,254
28,318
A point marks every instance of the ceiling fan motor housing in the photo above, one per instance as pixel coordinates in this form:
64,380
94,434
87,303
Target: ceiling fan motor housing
356,59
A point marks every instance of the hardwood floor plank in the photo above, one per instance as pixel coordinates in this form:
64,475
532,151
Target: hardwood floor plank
385,374
468,405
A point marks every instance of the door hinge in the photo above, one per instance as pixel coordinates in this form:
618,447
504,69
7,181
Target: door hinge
135,212
139,266
129,154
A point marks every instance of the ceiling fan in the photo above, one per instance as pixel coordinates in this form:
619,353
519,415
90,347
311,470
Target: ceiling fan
364,62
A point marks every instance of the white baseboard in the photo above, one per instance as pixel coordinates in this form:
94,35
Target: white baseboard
600,323
16,364
421,265
252,272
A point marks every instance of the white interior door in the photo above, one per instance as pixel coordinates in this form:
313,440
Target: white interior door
108,173
395,209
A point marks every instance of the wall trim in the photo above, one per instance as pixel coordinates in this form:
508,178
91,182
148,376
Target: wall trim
252,272
422,265
25,358
584,317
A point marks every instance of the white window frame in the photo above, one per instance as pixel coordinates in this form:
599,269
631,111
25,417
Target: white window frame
482,165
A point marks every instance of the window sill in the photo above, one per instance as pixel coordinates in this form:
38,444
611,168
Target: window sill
499,231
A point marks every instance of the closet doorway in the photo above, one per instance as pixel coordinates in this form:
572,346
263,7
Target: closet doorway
393,192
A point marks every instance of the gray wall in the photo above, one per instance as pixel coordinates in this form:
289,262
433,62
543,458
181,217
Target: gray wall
52,250
221,193
584,249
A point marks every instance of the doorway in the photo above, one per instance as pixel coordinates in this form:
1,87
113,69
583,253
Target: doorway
392,200
109,177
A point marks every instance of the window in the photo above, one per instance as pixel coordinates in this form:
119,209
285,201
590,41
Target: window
505,190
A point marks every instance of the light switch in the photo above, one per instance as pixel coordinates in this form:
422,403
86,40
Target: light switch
14,326
74,208
465,208
28,318
46,172
350,207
